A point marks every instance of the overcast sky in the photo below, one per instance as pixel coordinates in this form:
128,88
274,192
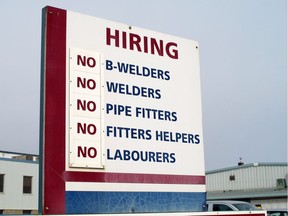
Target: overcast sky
243,60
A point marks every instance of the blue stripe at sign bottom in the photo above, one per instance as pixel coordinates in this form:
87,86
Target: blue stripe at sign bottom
79,202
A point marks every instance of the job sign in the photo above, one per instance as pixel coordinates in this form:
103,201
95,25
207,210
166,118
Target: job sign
122,118
134,100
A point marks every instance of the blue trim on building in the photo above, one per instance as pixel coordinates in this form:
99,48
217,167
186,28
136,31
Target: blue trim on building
80,202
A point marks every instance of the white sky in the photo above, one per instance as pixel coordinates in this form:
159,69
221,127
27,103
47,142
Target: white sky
243,57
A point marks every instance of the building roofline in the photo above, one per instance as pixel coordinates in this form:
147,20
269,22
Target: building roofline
18,153
19,160
248,165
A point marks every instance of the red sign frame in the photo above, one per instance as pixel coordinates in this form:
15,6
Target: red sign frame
53,116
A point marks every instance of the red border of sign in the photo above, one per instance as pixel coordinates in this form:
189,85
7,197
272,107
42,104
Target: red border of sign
133,178
54,116
52,140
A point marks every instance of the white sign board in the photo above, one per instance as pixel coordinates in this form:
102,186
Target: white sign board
132,118
152,105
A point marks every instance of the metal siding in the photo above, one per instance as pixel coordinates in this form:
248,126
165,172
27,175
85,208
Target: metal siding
257,180
271,203
254,176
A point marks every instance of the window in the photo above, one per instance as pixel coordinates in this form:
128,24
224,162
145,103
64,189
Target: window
221,207
1,183
27,212
232,177
277,213
245,207
27,184
29,157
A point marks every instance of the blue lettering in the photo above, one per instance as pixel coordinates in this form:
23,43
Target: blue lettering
122,67
155,114
135,155
109,65
165,157
108,155
172,157
141,156
118,155
144,156
176,137
122,89
133,69
159,156
133,90
111,87
197,139
130,133
152,156
110,130
126,154
118,109
138,70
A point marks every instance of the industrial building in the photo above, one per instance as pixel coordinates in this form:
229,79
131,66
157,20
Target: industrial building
18,183
262,184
